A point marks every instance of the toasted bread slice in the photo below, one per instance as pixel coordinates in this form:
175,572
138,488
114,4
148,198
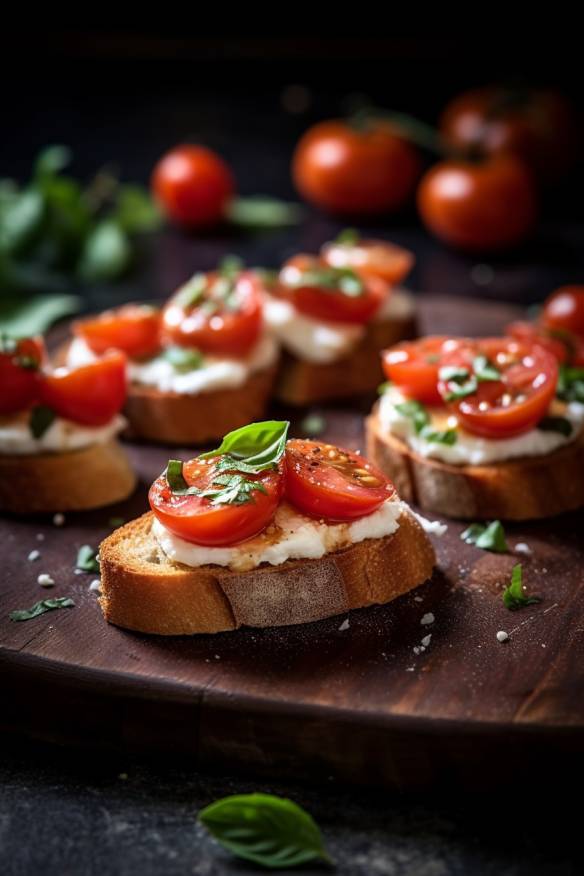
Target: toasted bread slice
73,481
304,383
179,418
520,489
143,590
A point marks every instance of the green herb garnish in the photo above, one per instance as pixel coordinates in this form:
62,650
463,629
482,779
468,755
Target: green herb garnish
192,292
488,537
383,387
258,446
556,424
513,595
313,425
571,384
268,830
343,280
23,317
114,522
41,607
459,382
485,370
261,212
40,420
226,489
348,237
417,413
449,436
87,559
183,359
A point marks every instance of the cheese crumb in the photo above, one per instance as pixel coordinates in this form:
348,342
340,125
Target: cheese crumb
58,519
431,527
40,536
34,555
426,640
418,599
45,580
95,585
522,548
427,619
502,636
344,626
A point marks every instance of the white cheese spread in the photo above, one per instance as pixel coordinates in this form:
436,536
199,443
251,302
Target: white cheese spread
62,435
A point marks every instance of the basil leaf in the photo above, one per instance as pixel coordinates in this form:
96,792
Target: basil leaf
485,370
87,559
416,412
259,445
135,211
192,291
41,418
230,266
33,316
489,537
453,373
313,425
226,489
457,391
343,280
106,252
41,607
51,160
174,476
21,220
556,424
383,387
571,384
348,237
268,830
260,212
513,595
449,436
183,359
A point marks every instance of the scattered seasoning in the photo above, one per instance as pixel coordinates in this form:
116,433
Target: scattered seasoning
426,640
428,618
40,536
95,585
45,580
522,548
344,626
58,519
41,607
34,555
513,595
502,636
418,599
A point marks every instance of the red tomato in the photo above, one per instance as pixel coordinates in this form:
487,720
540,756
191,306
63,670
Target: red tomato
480,206
370,258
413,366
531,333
20,377
133,328
216,313
519,400
537,125
195,519
355,170
193,185
91,394
326,482
317,291
564,310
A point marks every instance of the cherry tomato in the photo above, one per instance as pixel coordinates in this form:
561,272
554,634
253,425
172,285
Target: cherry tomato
330,294
516,402
413,366
326,482
355,170
216,313
370,258
537,125
196,519
531,333
133,328
564,310
91,394
480,206
193,185
20,363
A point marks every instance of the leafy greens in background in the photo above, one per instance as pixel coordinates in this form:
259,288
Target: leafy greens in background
54,231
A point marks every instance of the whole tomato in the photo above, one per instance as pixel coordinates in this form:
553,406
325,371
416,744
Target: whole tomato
481,206
537,125
355,170
193,185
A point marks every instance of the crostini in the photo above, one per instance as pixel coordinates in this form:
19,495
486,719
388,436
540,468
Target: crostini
479,429
202,366
262,532
334,313
58,427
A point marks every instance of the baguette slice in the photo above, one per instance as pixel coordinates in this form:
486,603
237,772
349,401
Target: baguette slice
303,383
77,480
520,489
143,590
179,418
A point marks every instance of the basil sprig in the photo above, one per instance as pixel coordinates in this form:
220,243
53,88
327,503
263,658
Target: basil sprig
513,595
571,384
556,424
488,537
268,830
183,359
87,559
485,370
343,280
417,413
225,489
252,448
41,607
40,420
461,382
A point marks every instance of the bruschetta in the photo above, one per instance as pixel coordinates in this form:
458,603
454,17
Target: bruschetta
262,532
58,427
333,314
480,429
200,367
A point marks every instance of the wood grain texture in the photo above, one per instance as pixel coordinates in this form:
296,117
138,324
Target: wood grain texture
315,701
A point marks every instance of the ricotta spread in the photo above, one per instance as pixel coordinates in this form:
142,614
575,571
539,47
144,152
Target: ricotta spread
16,439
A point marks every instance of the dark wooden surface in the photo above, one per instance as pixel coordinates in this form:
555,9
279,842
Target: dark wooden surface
313,701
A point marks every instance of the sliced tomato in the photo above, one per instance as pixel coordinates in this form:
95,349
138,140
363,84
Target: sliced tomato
531,333
91,394
414,365
20,363
198,520
517,401
564,310
327,482
370,258
330,294
216,313
133,328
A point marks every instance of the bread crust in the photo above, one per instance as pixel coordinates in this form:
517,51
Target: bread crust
519,489
303,383
77,480
143,590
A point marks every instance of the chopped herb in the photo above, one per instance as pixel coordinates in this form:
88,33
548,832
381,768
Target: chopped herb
87,559
348,237
40,420
41,607
459,382
571,384
313,425
453,373
268,830
449,436
416,412
383,387
556,424
183,359
262,212
488,537
485,370
343,280
174,476
114,522
225,489
230,266
252,448
192,292
513,595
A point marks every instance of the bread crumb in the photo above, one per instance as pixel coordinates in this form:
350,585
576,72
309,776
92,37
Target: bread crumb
58,519
502,636
344,626
45,580
428,618
34,555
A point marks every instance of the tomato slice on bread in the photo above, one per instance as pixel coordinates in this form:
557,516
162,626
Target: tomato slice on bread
20,363
90,394
218,313
328,293
132,328
370,258
564,310
333,484
414,365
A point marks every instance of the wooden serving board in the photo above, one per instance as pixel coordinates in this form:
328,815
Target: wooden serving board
315,701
